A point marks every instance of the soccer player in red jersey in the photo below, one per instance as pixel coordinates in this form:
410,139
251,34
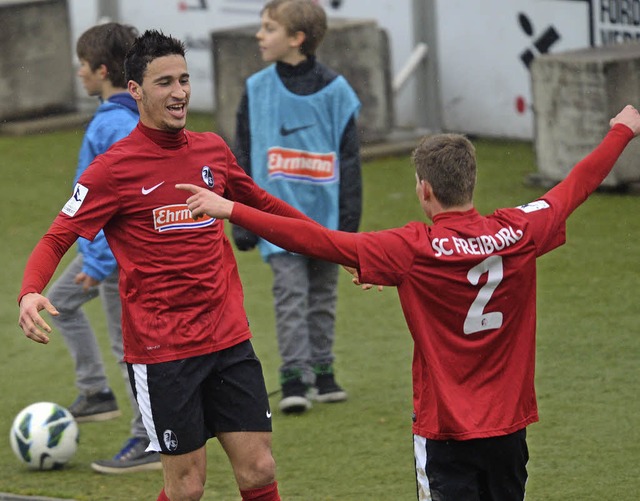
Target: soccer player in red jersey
185,331
467,286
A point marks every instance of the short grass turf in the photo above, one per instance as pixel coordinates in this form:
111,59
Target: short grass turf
584,448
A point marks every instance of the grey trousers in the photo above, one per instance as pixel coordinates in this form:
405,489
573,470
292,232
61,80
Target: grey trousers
305,294
68,297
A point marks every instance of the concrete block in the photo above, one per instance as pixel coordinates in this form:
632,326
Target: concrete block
358,49
575,93
36,71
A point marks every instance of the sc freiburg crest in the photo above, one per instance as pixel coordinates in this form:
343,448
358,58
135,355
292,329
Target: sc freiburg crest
207,176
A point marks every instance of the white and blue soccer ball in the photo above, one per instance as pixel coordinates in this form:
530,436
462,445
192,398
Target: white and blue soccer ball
44,436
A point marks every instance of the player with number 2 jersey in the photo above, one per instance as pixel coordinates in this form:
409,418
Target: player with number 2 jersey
467,286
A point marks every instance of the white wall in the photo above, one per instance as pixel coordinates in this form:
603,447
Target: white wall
483,82
485,86
188,21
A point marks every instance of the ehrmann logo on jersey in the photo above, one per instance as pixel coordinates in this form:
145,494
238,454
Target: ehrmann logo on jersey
177,217
301,165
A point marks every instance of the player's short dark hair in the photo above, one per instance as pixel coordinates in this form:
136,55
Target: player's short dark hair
448,163
107,44
300,15
151,45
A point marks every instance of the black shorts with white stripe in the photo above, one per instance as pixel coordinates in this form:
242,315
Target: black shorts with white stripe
185,402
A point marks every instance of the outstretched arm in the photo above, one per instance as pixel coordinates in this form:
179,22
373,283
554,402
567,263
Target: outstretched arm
293,234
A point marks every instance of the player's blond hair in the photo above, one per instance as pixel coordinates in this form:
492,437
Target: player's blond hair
448,163
300,15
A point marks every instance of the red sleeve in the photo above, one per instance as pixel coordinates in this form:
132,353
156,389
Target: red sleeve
242,188
296,235
589,173
45,258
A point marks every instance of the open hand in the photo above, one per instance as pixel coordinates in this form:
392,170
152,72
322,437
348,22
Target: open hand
30,321
356,280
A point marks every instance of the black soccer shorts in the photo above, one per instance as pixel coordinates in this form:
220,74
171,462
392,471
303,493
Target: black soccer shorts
484,469
185,402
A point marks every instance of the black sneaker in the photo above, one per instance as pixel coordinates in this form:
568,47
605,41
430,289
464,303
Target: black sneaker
133,457
294,393
326,388
99,406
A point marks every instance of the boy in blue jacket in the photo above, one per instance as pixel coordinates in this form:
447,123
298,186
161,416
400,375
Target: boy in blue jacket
101,51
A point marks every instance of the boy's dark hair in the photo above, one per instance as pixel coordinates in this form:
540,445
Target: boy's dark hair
151,45
300,15
107,44
448,163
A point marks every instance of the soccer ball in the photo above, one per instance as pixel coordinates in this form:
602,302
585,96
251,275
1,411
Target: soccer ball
44,436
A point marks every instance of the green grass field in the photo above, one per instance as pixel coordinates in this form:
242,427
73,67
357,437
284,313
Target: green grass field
586,446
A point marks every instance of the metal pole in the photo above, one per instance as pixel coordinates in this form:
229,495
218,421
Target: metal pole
415,58
429,109
108,11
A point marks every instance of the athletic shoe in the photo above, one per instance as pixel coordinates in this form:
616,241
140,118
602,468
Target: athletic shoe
294,393
326,388
99,406
133,457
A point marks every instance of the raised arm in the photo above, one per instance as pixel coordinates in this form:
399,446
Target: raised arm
589,173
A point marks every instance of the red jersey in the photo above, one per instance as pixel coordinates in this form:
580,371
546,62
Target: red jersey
179,283
467,286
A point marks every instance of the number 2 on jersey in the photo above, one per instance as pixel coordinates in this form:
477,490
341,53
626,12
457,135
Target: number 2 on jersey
477,320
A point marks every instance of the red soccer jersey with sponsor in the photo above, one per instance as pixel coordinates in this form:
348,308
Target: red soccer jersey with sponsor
179,282
467,286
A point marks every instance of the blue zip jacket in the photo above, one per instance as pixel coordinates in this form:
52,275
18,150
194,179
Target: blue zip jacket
114,119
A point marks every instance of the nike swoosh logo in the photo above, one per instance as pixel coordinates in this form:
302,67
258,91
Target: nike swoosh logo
146,191
268,414
286,132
